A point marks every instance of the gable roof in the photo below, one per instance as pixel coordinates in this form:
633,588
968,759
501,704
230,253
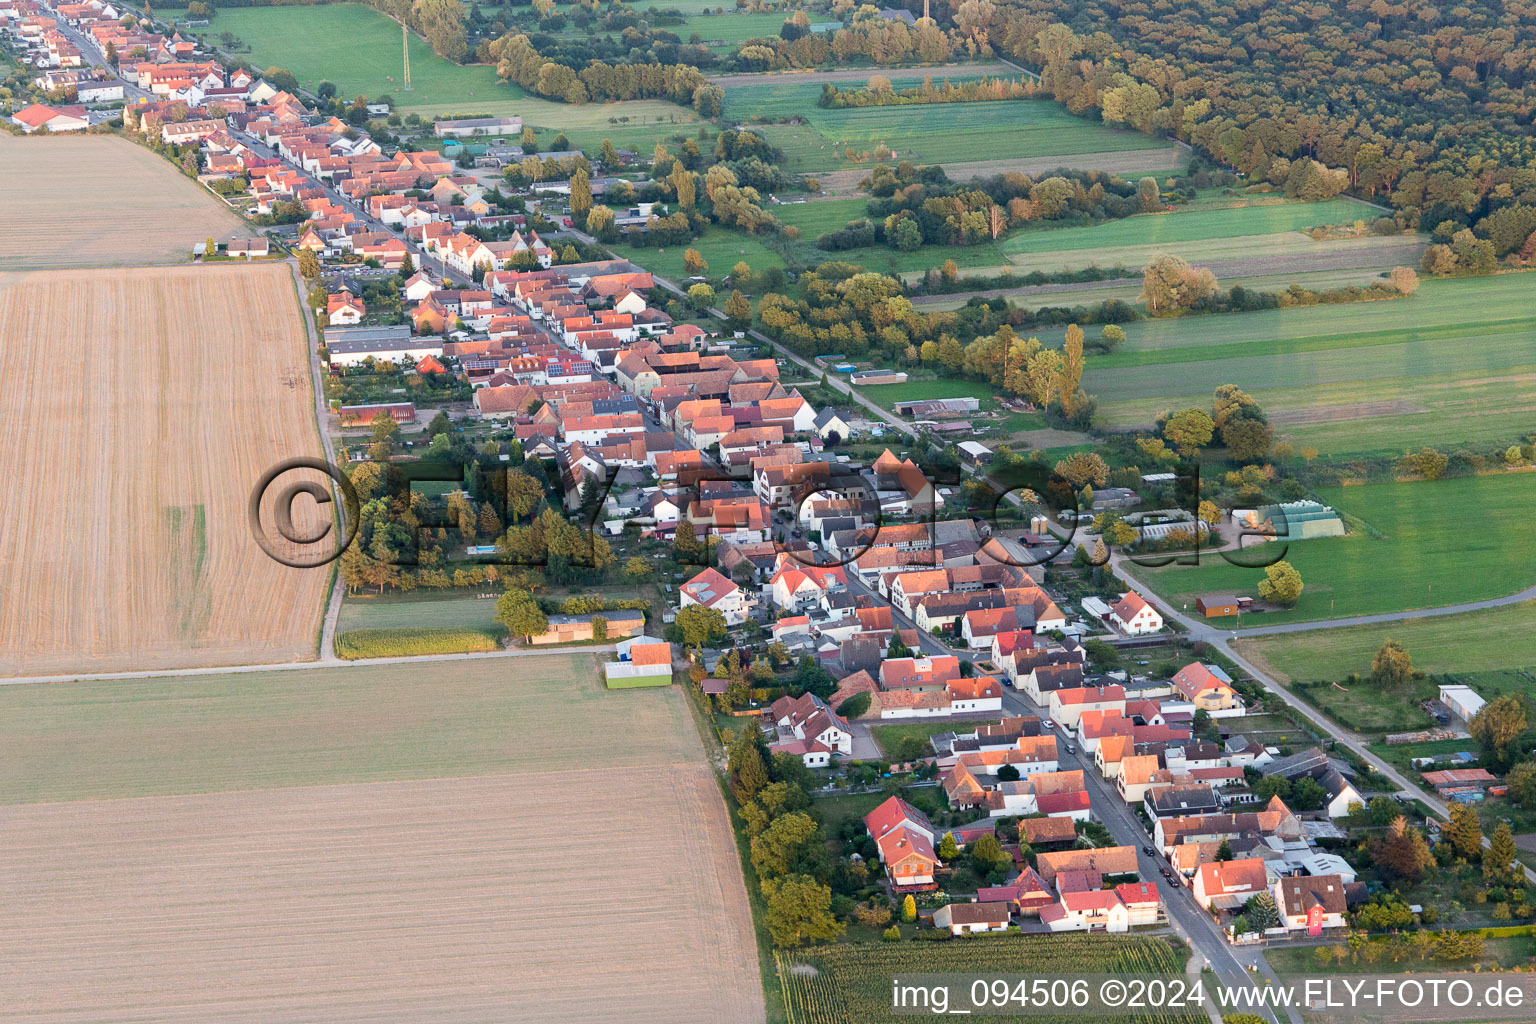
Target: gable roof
1110,860
894,813
1301,893
1233,876
1128,606
709,588
1046,830
1196,678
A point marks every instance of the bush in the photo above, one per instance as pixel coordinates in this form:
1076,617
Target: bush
892,934
394,643
854,706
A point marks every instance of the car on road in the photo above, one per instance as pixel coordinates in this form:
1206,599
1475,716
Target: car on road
1168,874
1148,851
1071,749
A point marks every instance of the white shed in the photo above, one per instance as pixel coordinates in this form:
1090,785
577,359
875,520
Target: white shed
1462,700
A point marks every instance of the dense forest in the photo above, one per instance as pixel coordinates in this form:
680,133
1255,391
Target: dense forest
1425,107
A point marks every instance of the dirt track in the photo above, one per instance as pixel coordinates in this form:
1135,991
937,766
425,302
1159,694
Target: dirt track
567,896
142,406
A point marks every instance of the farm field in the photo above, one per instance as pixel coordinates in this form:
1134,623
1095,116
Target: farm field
471,900
331,726
158,567
1129,290
1203,222
721,248
1426,552
366,843
1281,253
1478,641
79,186
851,984
929,133
369,611
1452,362
358,49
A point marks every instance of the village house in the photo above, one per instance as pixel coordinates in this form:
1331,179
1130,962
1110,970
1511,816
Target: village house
710,589
906,839
972,918
1207,687
1133,616
1313,903
809,729
1228,885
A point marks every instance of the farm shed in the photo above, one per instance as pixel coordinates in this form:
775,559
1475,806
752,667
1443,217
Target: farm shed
1463,701
1216,605
974,452
359,415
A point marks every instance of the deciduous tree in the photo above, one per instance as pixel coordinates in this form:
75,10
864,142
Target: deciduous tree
1281,584
1392,667
799,910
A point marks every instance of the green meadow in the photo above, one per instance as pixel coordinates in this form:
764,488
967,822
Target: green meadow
922,133
1422,544
721,249
1272,217
359,50
1454,363
1479,641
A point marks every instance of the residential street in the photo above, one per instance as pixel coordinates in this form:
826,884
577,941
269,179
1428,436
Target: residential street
1220,639
1193,924
1184,915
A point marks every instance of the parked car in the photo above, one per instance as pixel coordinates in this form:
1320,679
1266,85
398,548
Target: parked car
1148,851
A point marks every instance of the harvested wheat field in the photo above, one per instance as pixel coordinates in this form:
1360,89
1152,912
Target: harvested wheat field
141,407
507,881
568,896
100,201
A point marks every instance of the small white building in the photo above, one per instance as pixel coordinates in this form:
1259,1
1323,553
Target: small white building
1463,701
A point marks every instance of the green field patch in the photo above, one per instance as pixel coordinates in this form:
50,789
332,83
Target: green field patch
1441,542
889,737
1454,361
887,395
322,726
359,50
409,642
1486,640
923,133
721,248
1188,226
403,611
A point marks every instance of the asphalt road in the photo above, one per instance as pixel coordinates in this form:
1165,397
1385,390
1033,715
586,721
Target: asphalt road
1185,916
1218,638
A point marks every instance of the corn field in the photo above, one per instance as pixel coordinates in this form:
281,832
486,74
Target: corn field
851,984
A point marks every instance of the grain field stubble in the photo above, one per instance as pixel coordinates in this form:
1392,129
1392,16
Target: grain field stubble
149,401
497,899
